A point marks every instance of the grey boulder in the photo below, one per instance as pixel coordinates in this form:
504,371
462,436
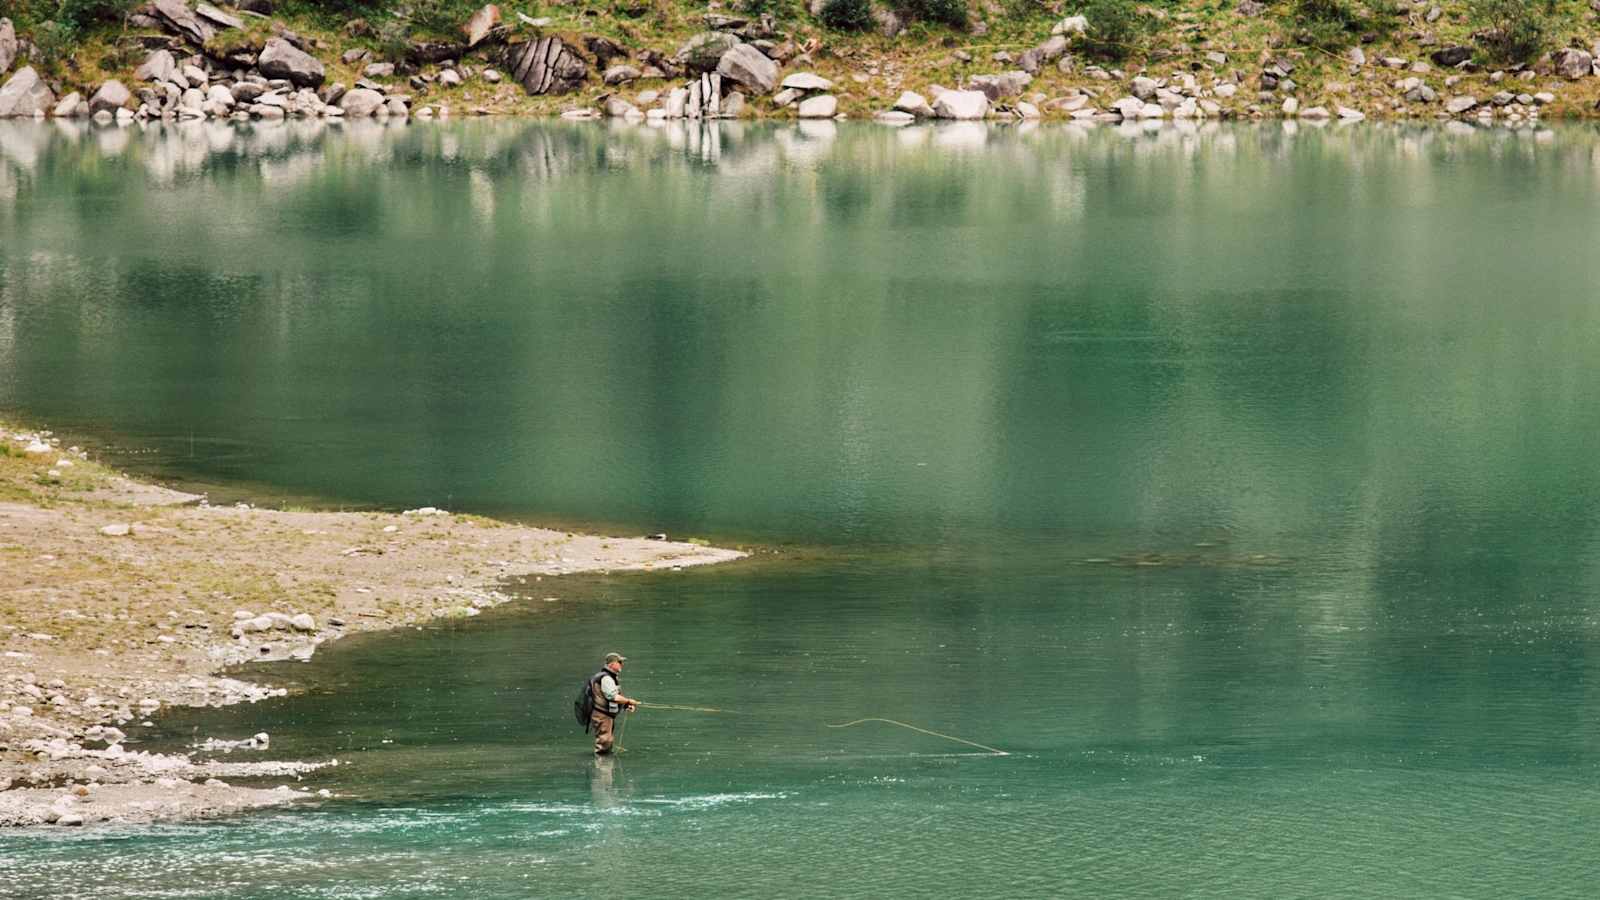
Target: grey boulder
750,68
822,106
25,94
546,66
806,81
703,52
361,102
281,59
961,105
1573,63
998,87
112,95
157,67
8,45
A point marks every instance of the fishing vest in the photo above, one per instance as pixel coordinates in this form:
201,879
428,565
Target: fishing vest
601,704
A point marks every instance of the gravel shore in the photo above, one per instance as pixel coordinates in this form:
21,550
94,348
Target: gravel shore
119,597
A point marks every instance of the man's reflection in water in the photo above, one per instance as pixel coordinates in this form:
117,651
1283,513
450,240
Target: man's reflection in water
602,782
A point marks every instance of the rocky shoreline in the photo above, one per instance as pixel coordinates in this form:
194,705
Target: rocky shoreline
206,62
119,598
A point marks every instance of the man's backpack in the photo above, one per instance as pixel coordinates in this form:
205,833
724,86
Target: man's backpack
583,707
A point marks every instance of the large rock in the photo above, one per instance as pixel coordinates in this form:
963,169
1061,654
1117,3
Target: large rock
676,105
620,75
961,105
217,17
750,68
616,107
112,96
915,104
8,45
281,59
822,106
807,81
998,87
25,94
482,22
361,102
1455,106
1033,60
546,66
181,20
70,107
1573,63
703,52
1450,57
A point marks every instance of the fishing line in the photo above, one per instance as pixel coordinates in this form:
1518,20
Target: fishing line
994,750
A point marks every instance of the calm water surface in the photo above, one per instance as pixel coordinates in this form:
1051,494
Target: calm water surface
1241,483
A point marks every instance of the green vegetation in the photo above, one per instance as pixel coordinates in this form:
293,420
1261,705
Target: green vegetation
945,12
1513,30
847,15
1117,28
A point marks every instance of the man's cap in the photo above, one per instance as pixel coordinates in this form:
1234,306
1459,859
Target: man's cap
615,657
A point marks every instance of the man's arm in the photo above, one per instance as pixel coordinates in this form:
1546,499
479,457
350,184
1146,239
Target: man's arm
612,691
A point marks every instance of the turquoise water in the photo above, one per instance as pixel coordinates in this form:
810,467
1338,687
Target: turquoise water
1239,483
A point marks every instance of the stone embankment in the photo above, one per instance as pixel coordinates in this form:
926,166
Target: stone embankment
119,599
208,62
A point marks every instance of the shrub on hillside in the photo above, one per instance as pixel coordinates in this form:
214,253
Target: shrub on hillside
947,12
847,15
1116,27
1513,31
1326,23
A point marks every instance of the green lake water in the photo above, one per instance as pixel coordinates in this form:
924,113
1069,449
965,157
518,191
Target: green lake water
1241,483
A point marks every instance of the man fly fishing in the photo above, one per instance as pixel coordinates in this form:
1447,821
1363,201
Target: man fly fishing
603,700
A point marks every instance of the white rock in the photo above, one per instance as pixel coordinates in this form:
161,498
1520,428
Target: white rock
677,103
1027,110
965,105
1071,25
303,622
1350,115
806,81
915,104
1458,105
822,106
119,529
1291,106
